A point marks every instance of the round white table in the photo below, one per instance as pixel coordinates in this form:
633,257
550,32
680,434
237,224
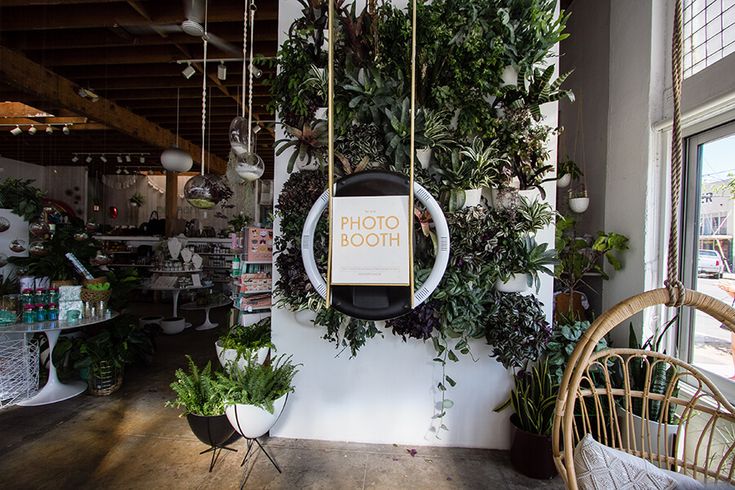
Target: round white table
54,390
176,292
207,324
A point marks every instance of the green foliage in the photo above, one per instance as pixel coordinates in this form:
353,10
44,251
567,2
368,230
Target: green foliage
569,167
516,329
533,215
21,197
239,221
564,338
258,384
247,340
308,143
197,392
525,256
534,398
137,199
437,132
580,255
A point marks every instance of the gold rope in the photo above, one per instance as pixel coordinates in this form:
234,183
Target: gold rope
673,283
412,149
330,144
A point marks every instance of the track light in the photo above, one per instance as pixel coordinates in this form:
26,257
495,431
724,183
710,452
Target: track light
88,159
49,129
189,71
119,159
222,71
75,159
118,171
142,159
65,129
32,130
103,159
256,128
257,72
127,158
125,171
16,130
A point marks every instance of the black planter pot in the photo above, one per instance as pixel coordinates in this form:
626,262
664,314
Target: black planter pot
213,431
531,454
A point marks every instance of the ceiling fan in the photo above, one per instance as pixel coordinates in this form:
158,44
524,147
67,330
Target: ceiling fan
193,25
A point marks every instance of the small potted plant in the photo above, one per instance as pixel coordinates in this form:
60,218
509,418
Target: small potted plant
242,342
308,145
137,200
579,201
533,400
579,256
527,260
567,171
465,172
255,395
200,397
437,135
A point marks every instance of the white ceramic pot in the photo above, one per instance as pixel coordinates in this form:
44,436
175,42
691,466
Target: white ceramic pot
564,181
472,197
305,317
321,113
251,421
227,356
517,283
530,195
656,437
424,157
305,164
173,325
509,76
579,204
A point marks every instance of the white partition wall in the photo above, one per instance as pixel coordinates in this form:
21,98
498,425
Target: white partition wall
388,393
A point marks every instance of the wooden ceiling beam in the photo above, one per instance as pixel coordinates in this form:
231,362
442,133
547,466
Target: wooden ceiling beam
80,16
193,83
26,75
26,3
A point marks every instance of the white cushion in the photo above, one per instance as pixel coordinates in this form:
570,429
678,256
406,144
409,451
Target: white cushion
599,467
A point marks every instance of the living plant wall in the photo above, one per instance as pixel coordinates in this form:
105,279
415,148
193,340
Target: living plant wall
481,79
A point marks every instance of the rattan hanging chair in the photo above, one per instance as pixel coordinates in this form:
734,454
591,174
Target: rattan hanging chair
647,404
597,386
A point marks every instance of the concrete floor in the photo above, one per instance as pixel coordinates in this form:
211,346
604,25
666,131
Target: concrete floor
130,440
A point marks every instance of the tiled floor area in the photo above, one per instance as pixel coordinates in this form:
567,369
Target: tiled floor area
130,440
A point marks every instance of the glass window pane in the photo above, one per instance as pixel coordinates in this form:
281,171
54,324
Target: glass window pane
714,46
728,17
728,35
729,49
706,20
714,347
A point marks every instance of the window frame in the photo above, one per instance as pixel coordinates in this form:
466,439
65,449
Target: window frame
691,205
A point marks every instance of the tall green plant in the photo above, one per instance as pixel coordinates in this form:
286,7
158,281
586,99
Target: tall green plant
197,392
258,384
533,399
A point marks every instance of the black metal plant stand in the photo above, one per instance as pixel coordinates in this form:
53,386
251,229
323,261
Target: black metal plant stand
216,451
249,453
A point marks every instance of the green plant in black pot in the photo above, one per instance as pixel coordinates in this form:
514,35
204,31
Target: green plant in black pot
198,392
533,400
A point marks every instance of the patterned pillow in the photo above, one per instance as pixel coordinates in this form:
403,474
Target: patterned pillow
599,467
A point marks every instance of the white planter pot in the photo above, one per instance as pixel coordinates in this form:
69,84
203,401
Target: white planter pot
251,421
579,204
227,356
305,317
173,325
656,437
530,195
472,197
424,157
509,76
305,164
517,283
564,181
149,320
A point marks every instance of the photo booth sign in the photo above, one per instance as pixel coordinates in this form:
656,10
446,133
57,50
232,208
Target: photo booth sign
370,241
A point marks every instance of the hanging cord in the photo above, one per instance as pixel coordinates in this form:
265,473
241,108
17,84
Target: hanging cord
204,88
244,53
253,8
580,136
412,154
178,93
330,142
673,283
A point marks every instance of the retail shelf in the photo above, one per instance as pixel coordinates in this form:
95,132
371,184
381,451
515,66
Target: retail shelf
195,271
130,265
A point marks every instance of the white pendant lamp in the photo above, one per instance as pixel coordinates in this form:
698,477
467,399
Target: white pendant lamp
175,159
249,165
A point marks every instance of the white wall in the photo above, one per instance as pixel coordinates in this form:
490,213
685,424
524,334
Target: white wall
387,394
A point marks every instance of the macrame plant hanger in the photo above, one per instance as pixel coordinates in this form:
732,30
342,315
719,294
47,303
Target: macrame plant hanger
370,301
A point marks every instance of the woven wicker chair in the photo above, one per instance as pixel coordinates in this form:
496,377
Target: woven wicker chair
597,385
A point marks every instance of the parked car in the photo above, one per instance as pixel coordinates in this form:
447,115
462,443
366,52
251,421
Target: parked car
710,262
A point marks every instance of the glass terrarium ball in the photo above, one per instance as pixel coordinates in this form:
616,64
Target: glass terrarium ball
239,135
3,260
4,224
38,248
17,246
38,228
250,166
199,192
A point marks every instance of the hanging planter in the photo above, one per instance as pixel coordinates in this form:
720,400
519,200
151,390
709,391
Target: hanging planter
578,201
564,181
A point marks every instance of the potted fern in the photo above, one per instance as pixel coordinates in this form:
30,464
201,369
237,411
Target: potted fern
242,342
200,396
255,394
